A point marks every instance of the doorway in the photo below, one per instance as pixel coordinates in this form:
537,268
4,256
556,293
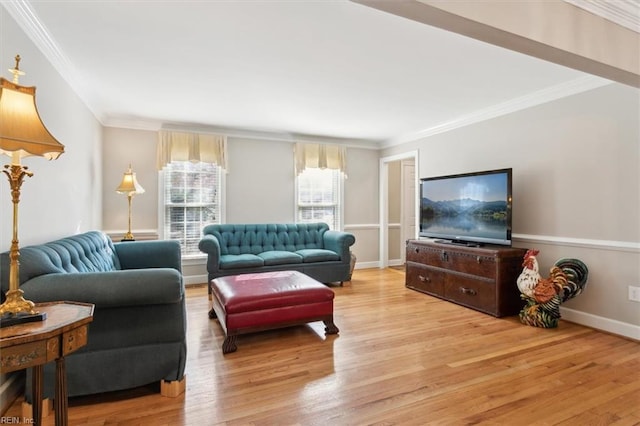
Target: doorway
398,206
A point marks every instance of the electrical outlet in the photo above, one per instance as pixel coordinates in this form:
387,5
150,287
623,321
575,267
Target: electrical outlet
634,293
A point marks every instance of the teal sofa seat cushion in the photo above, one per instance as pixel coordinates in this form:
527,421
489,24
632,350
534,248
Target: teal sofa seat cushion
275,257
317,255
236,261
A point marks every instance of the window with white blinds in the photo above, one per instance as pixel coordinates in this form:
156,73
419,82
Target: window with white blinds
192,194
319,197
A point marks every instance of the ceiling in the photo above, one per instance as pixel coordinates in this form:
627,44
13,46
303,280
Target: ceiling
301,68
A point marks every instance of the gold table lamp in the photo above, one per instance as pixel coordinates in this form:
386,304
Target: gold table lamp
22,134
130,187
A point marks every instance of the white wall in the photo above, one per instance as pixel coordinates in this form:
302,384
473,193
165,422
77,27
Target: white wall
64,196
361,204
576,171
260,182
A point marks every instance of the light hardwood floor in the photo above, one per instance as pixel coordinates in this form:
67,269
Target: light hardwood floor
401,357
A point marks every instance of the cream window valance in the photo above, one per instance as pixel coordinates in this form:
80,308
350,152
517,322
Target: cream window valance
184,146
320,156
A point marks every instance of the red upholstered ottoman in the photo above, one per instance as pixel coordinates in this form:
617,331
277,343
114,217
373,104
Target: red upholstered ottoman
255,302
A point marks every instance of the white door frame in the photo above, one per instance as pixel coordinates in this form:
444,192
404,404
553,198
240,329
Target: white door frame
404,201
384,201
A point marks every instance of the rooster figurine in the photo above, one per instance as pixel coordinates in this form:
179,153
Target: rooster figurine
543,296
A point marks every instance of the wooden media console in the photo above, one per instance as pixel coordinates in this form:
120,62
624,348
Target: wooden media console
482,278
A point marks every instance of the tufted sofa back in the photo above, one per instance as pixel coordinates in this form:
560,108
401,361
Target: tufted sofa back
258,238
88,252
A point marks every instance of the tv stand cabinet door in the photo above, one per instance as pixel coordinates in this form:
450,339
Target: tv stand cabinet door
425,279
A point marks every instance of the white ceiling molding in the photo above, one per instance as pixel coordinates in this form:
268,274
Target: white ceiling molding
22,12
269,135
151,125
24,15
549,94
132,123
622,12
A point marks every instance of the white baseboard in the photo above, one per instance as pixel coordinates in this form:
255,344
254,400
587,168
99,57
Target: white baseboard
600,323
376,264
195,279
367,265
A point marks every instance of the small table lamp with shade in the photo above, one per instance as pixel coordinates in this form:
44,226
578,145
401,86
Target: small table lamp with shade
22,134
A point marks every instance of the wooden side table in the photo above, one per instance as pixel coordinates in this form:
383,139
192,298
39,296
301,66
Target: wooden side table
34,344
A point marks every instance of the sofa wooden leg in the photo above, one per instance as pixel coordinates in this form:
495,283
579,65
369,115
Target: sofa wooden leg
173,388
47,409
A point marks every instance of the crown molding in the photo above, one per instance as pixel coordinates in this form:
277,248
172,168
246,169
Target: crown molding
27,19
266,135
132,123
572,87
22,12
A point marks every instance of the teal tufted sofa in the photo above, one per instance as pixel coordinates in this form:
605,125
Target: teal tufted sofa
310,248
138,333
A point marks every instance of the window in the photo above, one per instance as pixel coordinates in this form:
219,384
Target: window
319,197
192,199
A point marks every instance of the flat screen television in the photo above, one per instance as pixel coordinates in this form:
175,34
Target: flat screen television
471,208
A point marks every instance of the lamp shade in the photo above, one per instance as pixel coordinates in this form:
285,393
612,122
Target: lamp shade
22,132
129,184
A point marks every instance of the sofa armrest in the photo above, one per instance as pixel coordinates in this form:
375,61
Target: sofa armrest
155,286
211,246
149,254
339,242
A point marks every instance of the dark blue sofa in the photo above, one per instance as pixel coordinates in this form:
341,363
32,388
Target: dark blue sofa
138,334
310,248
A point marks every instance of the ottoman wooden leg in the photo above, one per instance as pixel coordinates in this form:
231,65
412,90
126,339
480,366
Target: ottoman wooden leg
212,314
229,344
330,327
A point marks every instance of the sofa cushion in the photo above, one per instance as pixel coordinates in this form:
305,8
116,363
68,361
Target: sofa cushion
317,255
233,261
280,257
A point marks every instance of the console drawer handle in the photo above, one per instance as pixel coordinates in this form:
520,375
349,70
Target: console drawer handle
469,291
424,279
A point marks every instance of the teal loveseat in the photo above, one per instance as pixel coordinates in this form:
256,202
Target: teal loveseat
138,333
310,248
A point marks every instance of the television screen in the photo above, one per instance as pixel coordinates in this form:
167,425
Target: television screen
470,208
